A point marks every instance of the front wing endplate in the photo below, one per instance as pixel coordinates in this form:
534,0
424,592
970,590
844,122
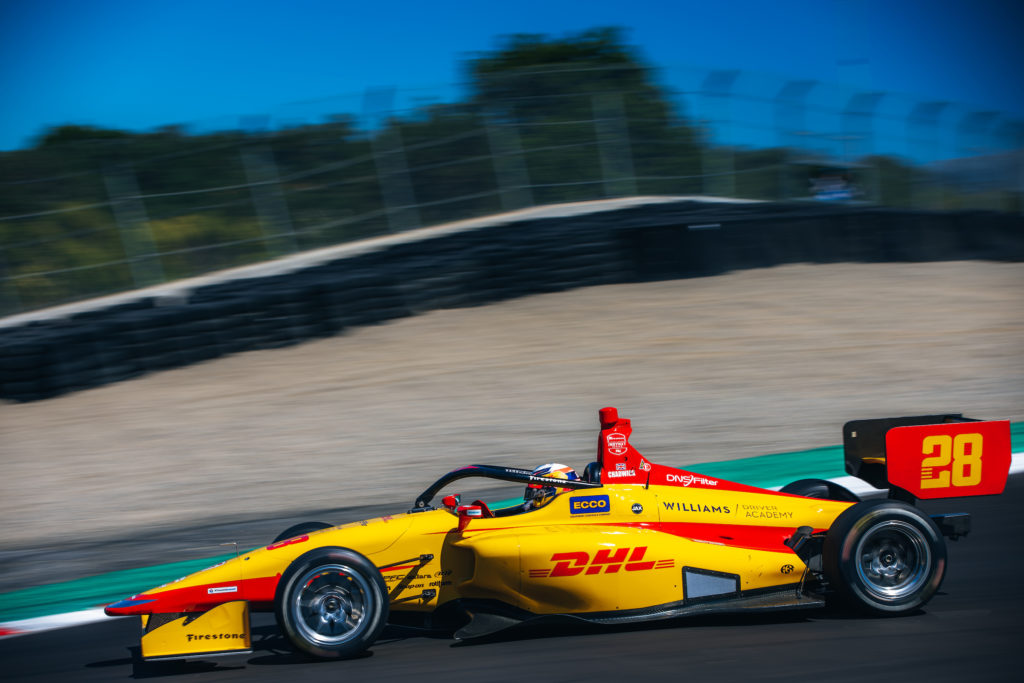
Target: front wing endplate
222,630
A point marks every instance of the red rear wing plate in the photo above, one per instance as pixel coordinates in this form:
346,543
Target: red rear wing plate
949,460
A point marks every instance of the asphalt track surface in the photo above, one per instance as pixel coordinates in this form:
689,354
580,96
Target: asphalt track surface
971,630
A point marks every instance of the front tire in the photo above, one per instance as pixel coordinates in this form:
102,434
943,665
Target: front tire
331,603
884,557
301,529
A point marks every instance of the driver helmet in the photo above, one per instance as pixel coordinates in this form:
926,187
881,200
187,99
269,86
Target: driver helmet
538,495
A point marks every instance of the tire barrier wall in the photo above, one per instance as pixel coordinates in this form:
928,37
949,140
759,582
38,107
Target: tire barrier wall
46,358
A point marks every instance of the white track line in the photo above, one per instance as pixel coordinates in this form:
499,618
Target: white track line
50,622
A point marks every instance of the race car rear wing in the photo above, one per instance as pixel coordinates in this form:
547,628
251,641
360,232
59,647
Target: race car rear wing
929,456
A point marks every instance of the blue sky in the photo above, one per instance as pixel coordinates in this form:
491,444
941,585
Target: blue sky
141,64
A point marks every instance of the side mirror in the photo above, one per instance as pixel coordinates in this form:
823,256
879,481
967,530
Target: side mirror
451,502
468,512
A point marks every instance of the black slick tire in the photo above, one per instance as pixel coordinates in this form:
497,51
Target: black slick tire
301,529
884,557
820,488
331,603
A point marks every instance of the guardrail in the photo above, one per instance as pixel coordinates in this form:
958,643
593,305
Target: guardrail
475,265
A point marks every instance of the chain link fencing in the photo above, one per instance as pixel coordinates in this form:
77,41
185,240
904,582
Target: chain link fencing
129,212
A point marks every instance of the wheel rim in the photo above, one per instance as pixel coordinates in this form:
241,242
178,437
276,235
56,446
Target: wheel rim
332,605
893,560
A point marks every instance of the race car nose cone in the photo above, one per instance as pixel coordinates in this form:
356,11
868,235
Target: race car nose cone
124,607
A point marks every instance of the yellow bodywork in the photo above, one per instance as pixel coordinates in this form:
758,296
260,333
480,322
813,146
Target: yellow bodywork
609,549
222,630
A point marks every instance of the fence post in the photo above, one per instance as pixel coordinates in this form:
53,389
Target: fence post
719,167
1015,134
10,302
509,163
790,110
858,125
133,225
923,147
268,199
392,170
613,142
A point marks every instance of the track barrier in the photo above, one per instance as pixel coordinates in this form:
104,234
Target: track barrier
50,356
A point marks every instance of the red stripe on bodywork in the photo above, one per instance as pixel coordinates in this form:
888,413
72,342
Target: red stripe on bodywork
769,538
395,569
197,599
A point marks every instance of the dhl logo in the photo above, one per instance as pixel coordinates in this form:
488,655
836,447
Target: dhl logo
573,564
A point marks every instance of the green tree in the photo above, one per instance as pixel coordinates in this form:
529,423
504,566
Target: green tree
553,89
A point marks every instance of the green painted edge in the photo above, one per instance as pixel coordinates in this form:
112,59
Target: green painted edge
94,591
80,594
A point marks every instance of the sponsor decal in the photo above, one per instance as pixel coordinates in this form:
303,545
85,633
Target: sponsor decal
645,466
624,473
761,511
215,636
610,560
589,505
616,443
222,589
690,507
689,479
637,508
289,541
949,460
546,481
786,568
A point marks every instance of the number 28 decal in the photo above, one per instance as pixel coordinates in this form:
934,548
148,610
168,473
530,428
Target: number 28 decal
948,460
963,451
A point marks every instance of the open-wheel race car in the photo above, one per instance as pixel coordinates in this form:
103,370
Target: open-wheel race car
628,540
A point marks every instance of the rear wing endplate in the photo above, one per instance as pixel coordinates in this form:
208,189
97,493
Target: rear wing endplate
929,456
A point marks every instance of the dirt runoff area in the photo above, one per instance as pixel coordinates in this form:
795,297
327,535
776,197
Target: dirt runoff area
753,362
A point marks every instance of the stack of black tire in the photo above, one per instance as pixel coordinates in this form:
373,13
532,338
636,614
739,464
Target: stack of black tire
47,358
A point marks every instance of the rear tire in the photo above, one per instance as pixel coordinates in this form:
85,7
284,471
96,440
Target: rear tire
331,603
884,557
820,488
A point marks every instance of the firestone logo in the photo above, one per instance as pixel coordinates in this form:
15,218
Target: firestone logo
215,636
612,561
688,479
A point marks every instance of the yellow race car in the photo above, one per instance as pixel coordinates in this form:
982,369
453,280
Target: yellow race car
628,540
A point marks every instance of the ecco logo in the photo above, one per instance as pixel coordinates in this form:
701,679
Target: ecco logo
584,505
573,564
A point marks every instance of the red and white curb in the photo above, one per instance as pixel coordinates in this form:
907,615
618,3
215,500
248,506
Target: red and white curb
48,623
